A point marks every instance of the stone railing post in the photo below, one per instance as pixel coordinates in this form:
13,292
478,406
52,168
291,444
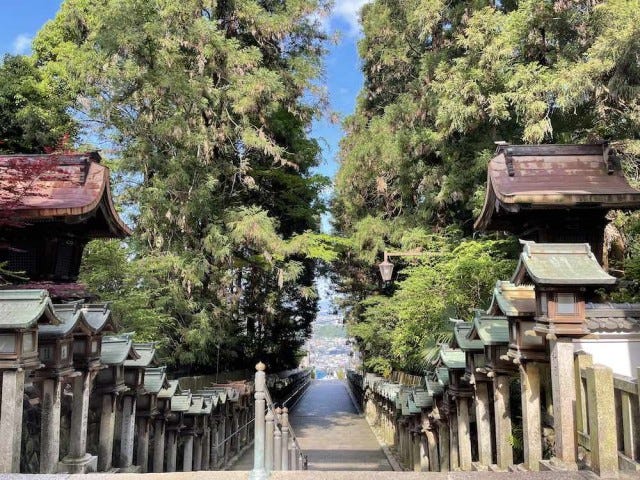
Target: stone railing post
50,433
11,420
158,445
127,434
142,452
502,413
531,419
564,399
78,460
268,438
172,450
285,439
107,432
258,472
292,455
277,441
602,421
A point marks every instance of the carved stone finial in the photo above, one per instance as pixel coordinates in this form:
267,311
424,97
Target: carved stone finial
285,410
261,367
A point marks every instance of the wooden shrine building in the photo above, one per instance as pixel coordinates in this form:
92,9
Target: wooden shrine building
555,193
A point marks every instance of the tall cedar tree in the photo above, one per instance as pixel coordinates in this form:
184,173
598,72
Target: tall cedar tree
206,105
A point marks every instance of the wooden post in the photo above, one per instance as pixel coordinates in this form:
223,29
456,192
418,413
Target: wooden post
602,421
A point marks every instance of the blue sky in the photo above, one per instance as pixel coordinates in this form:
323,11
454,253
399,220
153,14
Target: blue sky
21,19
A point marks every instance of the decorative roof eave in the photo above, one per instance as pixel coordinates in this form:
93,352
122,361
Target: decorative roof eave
73,321
99,317
512,301
542,177
24,308
172,388
491,329
117,349
560,264
94,193
155,380
146,356
461,330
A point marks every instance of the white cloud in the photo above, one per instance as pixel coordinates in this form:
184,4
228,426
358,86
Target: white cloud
349,11
22,44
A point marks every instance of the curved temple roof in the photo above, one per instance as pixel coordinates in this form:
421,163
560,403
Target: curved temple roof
24,308
560,264
534,177
68,187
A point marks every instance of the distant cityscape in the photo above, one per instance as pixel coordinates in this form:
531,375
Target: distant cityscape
329,346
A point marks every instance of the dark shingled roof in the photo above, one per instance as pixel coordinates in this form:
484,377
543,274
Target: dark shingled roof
611,317
553,176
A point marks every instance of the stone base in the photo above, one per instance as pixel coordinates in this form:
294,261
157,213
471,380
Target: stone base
518,468
556,465
477,467
86,464
131,469
495,468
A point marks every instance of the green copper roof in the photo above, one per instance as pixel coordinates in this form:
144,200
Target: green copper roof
513,301
155,379
492,330
181,402
25,308
452,358
197,402
146,355
170,390
98,316
422,398
560,264
116,349
461,331
71,318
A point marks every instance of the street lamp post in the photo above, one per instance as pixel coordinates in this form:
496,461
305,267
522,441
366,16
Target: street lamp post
386,267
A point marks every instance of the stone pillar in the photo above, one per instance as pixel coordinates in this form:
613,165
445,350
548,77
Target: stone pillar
483,423
107,431
78,460
434,460
142,452
127,433
564,397
420,455
292,456
268,442
464,434
197,453
277,441
206,447
260,386
602,421
215,439
50,425
285,439
172,450
454,457
425,462
187,453
502,412
531,419
158,446
443,436
11,420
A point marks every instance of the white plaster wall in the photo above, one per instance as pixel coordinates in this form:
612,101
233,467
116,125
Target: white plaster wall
621,355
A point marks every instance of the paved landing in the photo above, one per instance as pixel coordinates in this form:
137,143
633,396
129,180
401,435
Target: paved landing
332,433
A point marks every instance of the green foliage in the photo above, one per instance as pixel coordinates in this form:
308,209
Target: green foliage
402,328
443,81
204,104
34,113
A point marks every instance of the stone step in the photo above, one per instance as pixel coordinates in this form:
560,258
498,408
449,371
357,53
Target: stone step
315,475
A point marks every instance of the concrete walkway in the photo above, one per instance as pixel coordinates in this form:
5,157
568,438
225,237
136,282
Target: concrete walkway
331,432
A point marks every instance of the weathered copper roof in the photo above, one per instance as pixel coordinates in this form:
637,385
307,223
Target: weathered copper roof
513,301
452,358
70,185
155,380
461,331
535,177
116,349
492,330
73,320
560,264
146,355
25,308
611,317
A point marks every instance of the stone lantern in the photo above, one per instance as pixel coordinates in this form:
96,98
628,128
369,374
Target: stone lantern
20,314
